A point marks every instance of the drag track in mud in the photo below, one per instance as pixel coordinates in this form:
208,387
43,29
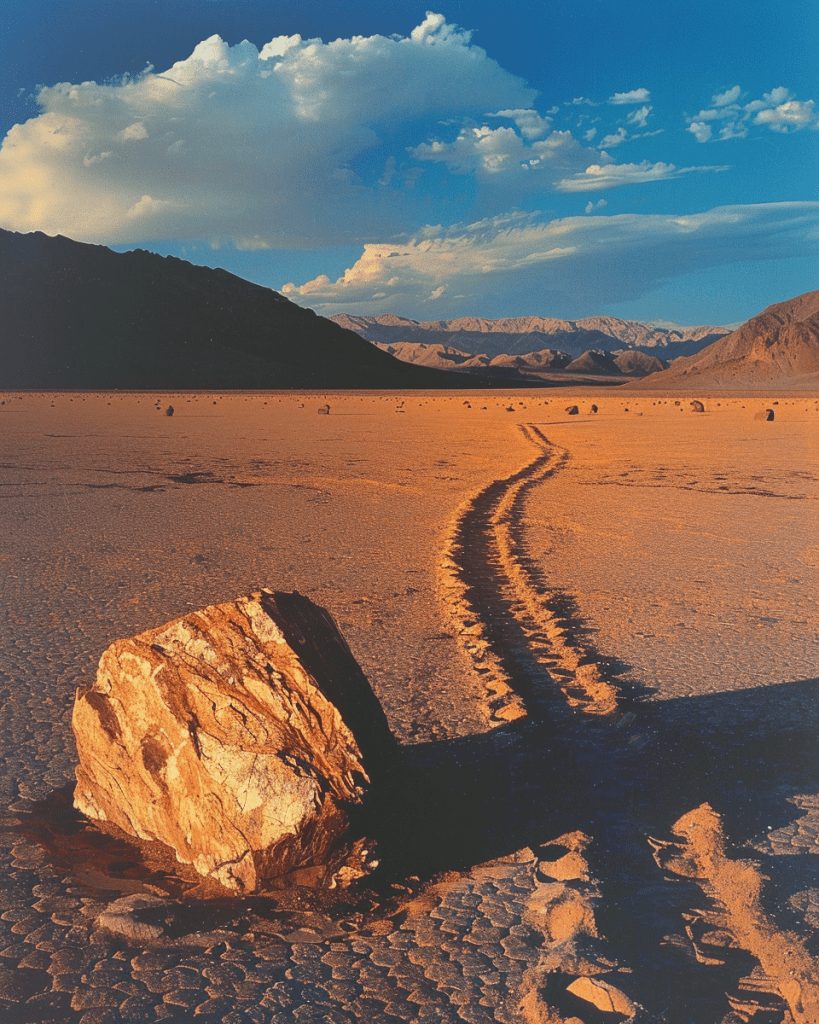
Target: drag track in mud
580,752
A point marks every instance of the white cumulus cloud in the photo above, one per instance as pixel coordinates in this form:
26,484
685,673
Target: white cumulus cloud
490,153
632,96
788,116
722,99
235,143
701,131
614,138
726,118
530,123
503,156
639,117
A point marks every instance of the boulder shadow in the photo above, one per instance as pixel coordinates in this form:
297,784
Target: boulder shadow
451,805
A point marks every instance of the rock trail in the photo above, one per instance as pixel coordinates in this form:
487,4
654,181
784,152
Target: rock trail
514,629
730,963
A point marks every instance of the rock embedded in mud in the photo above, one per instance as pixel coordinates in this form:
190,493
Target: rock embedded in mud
697,406
572,410
138,917
603,996
244,736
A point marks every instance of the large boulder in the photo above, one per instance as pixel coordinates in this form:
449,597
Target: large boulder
244,736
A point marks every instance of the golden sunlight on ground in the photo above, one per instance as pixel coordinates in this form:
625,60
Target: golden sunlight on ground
595,635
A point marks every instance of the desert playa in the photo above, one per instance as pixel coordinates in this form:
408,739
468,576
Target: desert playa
409,512
594,636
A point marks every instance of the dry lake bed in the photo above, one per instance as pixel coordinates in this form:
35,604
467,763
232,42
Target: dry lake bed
595,636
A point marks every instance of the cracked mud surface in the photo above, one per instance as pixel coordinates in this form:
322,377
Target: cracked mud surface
582,631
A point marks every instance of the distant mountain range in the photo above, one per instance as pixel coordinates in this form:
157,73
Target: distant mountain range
81,316
546,361
779,347
525,334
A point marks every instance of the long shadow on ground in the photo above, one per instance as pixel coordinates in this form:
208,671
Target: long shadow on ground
746,752
454,804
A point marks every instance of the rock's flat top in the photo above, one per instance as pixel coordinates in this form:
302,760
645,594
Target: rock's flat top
240,735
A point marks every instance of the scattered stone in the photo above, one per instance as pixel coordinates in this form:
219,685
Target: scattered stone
767,416
244,736
593,408
137,917
603,996
696,406
563,860
169,411
572,410
571,867
324,410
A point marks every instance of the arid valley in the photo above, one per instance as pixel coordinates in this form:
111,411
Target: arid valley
593,635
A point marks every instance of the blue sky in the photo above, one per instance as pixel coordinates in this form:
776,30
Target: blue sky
645,160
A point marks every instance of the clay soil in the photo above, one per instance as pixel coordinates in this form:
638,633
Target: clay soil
594,635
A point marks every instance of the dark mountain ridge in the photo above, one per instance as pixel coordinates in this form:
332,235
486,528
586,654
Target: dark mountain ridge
74,315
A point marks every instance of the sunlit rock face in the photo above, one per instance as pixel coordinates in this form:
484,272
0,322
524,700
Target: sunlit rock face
244,736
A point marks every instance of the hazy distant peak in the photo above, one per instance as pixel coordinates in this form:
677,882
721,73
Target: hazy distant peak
673,326
519,334
352,323
441,357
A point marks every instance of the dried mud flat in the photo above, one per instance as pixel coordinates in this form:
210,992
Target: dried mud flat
595,637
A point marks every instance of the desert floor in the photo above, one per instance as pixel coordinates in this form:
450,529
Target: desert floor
595,635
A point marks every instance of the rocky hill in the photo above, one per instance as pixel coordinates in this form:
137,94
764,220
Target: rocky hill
595,362
635,363
442,357
81,316
545,359
779,347
546,362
